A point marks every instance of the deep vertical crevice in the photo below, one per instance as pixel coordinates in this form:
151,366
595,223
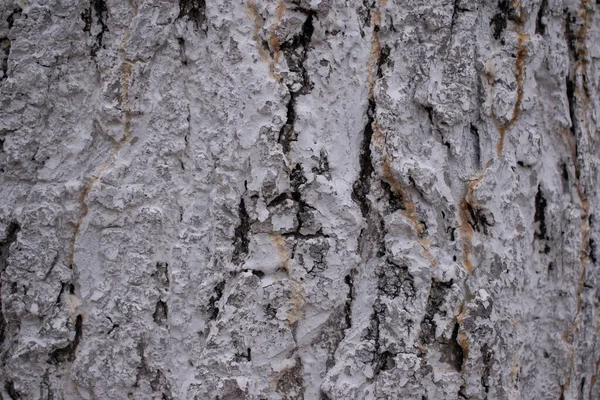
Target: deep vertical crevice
14,15
499,20
162,275
540,26
477,145
241,239
487,360
10,238
540,214
571,35
453,350
101,11
161,313
9,386
291,382
362,185
68,353
213,306
437,294
349,279
195,11
384,56
296,53
4,55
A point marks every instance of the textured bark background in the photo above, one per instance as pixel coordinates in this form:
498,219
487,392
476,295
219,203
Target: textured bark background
291,199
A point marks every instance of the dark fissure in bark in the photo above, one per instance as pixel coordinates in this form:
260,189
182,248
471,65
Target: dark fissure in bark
362,186
68,352
572,100
395,200
323,168
540,214
4,54
242,231
593,256
478,219
291,382
194,10
456,9
540,26
16,14
349,279
156,378
570,35
11,236
498,21
395,280
101,11
161,313
487,360
213,307
298,179
5,43
162,275
453,353
477,143
437,294
384,56
296,53
9,386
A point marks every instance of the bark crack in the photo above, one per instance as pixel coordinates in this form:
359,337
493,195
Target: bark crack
195,11
69,352
10,238
296,53
241,240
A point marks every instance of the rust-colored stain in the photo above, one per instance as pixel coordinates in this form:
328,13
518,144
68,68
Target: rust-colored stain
125,80
514,371
254,15
282,252
378,138
465,228
410,210
466,235
374,53
273,40
519,77
582,65
296,291
462,338
297,303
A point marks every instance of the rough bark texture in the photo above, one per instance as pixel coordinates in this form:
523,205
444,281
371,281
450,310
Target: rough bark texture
299,200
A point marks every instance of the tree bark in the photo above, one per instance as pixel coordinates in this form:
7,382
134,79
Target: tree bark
299,199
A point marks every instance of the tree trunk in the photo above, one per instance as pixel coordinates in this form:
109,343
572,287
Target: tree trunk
299,200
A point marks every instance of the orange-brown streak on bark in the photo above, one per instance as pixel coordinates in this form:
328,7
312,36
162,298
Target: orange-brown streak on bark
296,289
410,210
254,15
273,40
466,235
125,79
519,77
462,339
466,230
374,54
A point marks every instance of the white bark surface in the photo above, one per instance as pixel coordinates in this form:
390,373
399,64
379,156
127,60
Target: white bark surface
299,199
